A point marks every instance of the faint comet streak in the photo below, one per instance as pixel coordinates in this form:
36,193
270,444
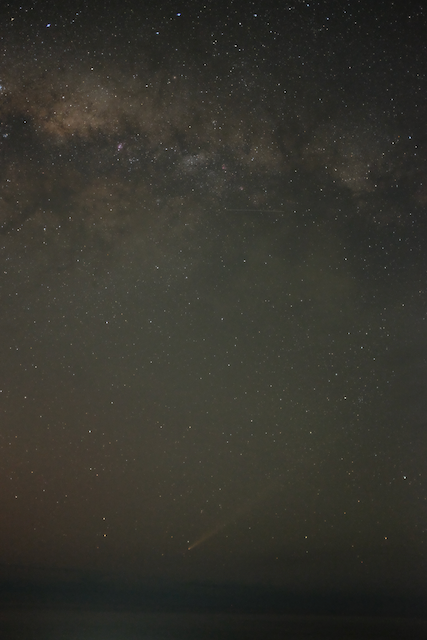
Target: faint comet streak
207,535
240,512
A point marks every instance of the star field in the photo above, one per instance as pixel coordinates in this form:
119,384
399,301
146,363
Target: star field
212,229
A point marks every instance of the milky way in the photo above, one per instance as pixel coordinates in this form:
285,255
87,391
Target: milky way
213,276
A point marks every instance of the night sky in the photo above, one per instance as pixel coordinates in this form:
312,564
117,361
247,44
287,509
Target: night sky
213,292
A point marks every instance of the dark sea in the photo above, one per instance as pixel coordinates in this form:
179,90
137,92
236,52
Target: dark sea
72,625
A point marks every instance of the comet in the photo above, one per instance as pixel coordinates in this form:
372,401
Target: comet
241,511
206,536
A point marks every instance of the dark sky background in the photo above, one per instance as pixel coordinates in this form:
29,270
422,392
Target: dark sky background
213,292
